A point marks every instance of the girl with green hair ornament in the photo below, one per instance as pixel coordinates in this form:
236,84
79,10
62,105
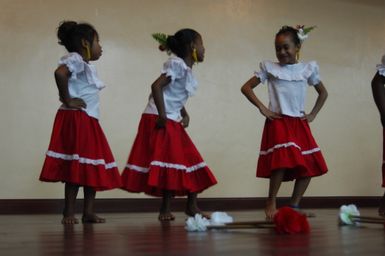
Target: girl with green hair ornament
163,160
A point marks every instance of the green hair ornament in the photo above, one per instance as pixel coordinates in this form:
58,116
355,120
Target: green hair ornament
161,38
303,32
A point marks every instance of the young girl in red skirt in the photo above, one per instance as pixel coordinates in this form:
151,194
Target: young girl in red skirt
378,90
163,160
79,154
288,149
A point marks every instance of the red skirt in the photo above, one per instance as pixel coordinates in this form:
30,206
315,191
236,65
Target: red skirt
383,159
287,143
165,159
79,153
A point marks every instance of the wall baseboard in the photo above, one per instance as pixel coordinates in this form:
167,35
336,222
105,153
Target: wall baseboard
55,206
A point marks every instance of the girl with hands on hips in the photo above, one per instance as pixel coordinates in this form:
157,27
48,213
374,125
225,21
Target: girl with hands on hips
78,154
288,150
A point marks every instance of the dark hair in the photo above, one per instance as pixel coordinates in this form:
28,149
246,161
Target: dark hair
290,31
71,33
179,43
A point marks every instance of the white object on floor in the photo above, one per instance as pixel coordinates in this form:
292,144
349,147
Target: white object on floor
198,223
346,212
218,218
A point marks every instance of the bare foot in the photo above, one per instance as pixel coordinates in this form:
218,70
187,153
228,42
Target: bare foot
270,209
69,220
191,211
166,216
92,218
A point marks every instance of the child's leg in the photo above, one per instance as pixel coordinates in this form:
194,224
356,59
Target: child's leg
165,209
275,183
381,210
70,193
89,215
300,187
192,206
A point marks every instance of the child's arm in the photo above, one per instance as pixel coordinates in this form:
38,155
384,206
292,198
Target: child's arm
157,93
247,90
322,96
185,117
62,75
378,91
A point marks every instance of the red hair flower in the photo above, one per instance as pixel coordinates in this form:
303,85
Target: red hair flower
290,221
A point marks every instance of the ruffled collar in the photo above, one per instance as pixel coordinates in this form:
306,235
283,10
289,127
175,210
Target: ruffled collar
294,72
92,76
89,70
180,61
191,82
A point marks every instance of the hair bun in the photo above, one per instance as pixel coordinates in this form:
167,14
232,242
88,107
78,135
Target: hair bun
179,43
64,31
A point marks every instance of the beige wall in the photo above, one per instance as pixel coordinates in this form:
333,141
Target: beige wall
347,44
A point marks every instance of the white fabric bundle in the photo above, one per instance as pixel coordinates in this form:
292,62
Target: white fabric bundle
198,223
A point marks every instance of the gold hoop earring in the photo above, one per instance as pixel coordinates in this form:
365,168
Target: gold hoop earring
195,55
88,53
297,56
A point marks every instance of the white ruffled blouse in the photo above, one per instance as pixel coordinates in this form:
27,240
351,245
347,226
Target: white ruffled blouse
84,82
287,85
381,67
183,85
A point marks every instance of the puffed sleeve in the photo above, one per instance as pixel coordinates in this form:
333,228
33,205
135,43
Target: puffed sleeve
74,63
314,78
381,67
262,74
174,68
